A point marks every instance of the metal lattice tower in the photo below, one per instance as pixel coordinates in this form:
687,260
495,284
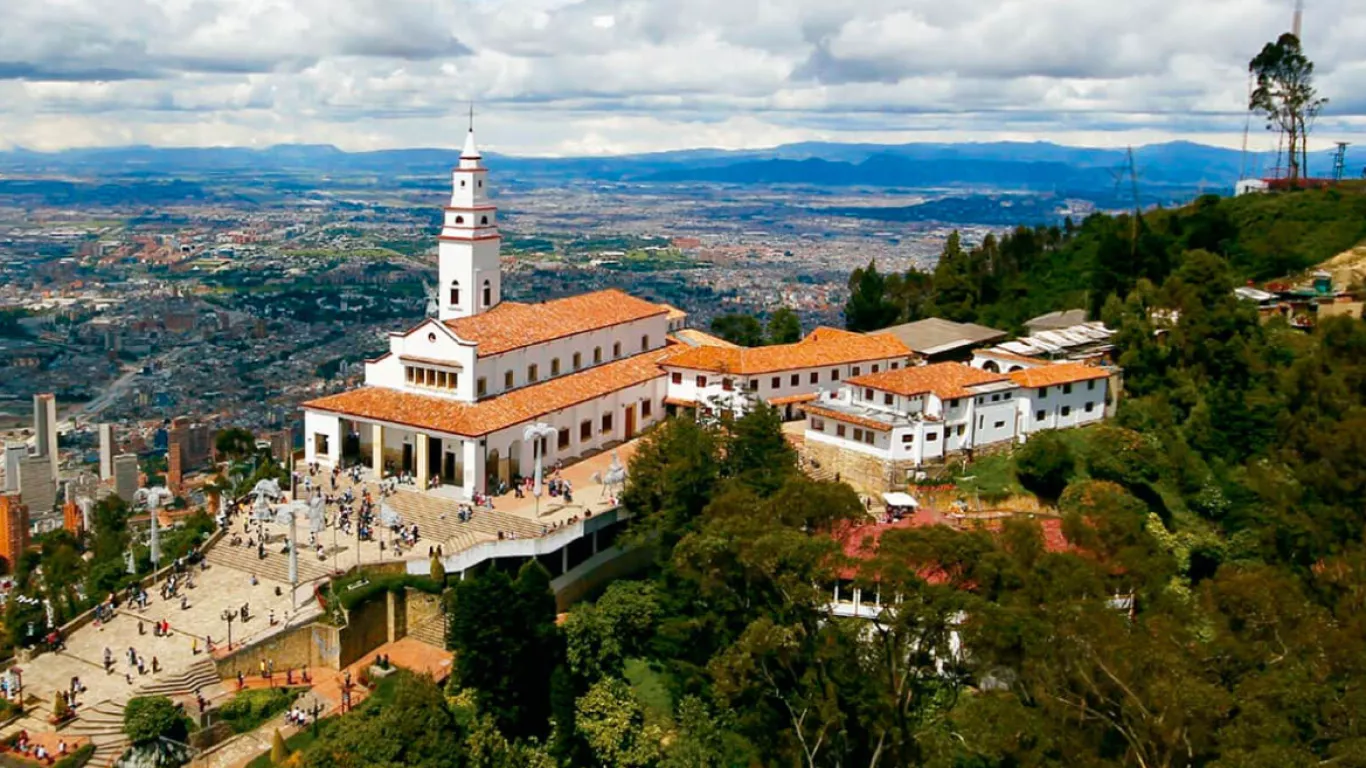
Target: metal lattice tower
1340,160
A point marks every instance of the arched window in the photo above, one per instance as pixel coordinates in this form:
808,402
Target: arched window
462,182
488,293
459,219
455,293
991,367
484,221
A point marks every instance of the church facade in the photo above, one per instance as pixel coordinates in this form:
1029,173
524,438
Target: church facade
453,398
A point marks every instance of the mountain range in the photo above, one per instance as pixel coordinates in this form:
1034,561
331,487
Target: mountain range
1038,166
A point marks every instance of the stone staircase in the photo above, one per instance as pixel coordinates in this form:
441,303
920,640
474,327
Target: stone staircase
437,521
274,567
432,632
201,674
102,724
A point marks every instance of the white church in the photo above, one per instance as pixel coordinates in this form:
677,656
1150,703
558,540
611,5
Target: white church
452,398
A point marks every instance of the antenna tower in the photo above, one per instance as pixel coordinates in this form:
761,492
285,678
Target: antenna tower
1298,24
1130,171
1340,160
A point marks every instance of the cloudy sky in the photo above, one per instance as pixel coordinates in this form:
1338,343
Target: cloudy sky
573,77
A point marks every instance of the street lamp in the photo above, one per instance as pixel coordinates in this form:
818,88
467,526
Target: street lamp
315,710
228,616
535,433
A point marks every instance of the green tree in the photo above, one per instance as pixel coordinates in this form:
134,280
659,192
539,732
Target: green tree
784,327
612,722
869,308
1045,464
743,330
757,452
235,444
600,636
1285,94
673,474
147,718
413,728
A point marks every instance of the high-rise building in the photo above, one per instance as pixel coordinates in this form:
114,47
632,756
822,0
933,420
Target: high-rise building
73,519
106,451
45,429
13,528
175,469
14,455
126,476
36,484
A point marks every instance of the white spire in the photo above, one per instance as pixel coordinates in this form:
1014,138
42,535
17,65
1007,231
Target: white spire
470,151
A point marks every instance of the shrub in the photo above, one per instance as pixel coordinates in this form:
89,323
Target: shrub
147,718
1045,465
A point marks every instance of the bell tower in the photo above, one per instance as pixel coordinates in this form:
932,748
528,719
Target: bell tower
467,249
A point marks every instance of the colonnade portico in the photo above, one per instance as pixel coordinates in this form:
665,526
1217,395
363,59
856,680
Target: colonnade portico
389,449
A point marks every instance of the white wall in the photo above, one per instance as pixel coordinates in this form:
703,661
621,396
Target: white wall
687,388
993,418
493,367
322,424
1055,401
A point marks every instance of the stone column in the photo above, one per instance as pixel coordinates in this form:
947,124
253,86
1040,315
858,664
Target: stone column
377,450
420,459
474,467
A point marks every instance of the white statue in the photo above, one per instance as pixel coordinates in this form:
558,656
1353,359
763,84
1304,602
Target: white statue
433,305
317,516
151,499
614,480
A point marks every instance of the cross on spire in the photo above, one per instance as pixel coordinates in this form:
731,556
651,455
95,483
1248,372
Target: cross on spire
471,117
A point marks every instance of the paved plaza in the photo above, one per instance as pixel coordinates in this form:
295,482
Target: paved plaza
215,589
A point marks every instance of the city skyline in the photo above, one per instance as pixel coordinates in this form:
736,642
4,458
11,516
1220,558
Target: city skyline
610,77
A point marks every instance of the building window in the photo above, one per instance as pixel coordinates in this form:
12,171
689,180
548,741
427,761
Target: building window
508,382
488,293
481,183
606,423
430,377
815,377
887,399
597,355
995,398
1006,396
727,385
578,360
1043,392
839,430
1038,415
907,439
483,221
752,385
460,219
563,441
960,430
644,343
867,394
701,381
1067,389
533,374
1067,410
776,382
817,423
1000,424
874,367
1090,407
481,387
931,436
858,435
462,182
676,378
895,365
1091,384
585,430
320,445
616,350
455,293
555,366
647,408
856,371
869,437
796,380
834,374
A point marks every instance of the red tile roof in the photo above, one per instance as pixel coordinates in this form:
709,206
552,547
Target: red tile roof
440,414
847,418
511,325
1058,373
945,380
822,347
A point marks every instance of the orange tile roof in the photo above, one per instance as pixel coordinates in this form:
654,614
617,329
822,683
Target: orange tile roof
511,325
519,406
1058,373
848,418
822,347
945,380
693,337
790,399
1001,354
680,402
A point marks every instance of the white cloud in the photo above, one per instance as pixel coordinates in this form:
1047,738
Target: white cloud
600,76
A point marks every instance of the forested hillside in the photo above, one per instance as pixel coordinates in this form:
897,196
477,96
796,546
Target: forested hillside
1036,270
1206,606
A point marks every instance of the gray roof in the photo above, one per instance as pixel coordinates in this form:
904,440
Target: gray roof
1057,320
936,335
